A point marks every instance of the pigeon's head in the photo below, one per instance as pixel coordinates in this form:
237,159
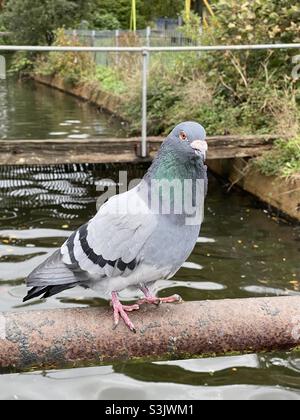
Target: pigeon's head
182,154
189,139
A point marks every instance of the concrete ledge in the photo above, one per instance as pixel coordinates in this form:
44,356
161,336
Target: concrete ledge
90,93
282,194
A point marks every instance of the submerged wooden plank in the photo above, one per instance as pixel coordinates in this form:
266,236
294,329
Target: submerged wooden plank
64,151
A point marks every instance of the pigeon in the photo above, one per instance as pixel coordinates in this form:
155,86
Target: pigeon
137,237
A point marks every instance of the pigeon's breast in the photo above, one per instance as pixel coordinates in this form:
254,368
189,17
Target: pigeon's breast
170,244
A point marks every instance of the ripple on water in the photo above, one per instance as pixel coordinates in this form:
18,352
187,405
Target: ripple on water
8,215
102,383
78,136
267,291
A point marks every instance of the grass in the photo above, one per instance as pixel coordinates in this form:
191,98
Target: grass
283,160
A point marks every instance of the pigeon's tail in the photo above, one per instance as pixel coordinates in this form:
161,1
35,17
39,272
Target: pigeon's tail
52,277
47,291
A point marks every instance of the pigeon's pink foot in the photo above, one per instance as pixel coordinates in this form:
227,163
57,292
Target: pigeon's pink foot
153,300
120,311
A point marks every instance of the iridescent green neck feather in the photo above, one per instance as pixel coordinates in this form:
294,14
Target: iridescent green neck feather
170,165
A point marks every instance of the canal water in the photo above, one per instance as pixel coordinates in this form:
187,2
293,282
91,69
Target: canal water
31,111
243,251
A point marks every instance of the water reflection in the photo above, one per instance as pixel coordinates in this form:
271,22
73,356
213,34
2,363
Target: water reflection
31,111
107,383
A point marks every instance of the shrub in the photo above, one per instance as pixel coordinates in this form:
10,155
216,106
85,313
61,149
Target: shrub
283,160
109,80
22,64
248,22
73,67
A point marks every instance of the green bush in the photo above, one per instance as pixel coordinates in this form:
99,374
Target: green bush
22,64
259,82
283,160
109,80
73,67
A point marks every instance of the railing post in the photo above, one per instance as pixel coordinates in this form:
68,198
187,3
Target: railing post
93,38
148,40
2,67
117,35
93,42
148,36
144,102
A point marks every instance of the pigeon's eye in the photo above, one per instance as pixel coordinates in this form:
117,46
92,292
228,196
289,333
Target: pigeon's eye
182,136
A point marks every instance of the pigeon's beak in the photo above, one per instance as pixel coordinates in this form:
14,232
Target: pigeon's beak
200,146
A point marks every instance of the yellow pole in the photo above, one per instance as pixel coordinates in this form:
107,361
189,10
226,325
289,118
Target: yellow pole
205,22
211,12
187,9
133,16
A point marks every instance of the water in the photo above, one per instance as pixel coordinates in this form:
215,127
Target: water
243,251
31,111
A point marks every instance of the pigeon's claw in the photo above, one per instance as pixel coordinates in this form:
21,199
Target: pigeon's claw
153,300
171,299
120,312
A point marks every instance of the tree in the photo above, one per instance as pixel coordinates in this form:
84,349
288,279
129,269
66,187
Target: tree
121,10
33,22
105,21
147,10
198,7
156,8
170,8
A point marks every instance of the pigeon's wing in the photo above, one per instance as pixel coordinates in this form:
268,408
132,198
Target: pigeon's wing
110,244
53,271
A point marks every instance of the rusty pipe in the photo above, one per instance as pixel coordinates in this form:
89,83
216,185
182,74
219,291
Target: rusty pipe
56,338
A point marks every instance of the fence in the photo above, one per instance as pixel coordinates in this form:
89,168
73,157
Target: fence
121,38
145,51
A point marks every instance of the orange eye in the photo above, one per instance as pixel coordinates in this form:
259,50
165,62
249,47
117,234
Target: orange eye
182,136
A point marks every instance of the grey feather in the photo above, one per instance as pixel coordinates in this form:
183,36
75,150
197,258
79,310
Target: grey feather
53,272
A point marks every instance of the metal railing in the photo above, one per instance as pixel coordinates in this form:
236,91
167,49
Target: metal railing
145,51
40,48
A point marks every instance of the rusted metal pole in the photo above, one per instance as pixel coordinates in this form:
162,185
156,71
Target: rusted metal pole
56,338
